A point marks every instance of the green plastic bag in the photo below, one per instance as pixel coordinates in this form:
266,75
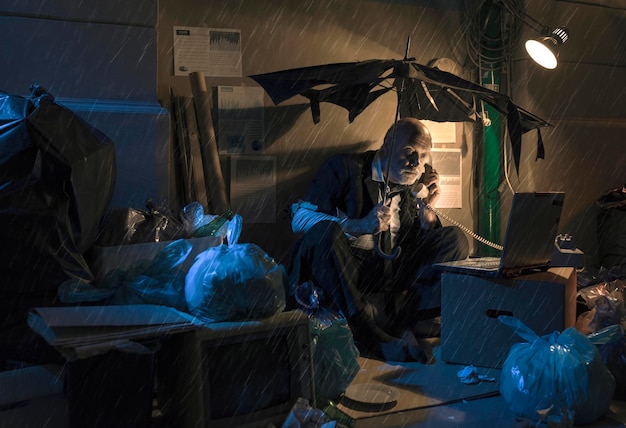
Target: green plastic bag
334,357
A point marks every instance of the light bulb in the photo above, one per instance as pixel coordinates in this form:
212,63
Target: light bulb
541,53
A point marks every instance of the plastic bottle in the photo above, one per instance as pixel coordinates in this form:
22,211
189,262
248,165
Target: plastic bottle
211,228
329,407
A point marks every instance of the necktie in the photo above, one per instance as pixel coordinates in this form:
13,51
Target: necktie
386,244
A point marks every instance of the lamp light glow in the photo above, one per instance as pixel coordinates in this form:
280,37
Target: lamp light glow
540,52
545,50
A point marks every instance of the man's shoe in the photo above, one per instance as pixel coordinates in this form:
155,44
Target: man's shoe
428,328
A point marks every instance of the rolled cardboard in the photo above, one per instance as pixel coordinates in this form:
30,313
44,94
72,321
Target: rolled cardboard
216,188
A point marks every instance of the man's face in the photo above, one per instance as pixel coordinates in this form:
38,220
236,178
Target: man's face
408,160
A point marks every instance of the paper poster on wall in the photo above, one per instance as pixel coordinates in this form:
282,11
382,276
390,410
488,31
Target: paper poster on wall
212,51
240,120
253,188
441,132
447,162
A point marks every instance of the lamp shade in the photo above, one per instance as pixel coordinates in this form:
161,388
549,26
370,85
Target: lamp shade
545,50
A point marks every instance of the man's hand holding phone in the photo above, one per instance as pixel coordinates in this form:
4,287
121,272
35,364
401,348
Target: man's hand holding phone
430,179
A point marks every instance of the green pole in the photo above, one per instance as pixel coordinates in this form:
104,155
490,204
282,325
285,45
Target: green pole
489,196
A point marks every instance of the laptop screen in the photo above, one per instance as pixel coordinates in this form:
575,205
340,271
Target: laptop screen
531,230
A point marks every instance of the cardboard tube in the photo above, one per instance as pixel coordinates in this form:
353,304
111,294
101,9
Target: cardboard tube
199,188
218,201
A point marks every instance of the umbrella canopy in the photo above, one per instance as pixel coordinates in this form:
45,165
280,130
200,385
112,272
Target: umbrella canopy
423,92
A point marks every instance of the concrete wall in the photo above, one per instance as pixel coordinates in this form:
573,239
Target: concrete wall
98,59
582,98
285,34
113,63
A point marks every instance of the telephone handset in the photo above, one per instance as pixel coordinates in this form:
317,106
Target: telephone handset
421,191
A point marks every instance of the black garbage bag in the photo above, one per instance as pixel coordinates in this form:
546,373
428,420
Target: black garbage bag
57,176
611,227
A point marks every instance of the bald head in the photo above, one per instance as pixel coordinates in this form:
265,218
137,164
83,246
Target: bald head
409,152
409,131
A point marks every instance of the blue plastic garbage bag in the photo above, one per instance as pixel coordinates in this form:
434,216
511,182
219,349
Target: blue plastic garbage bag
235,283
157,281
611,344
556,378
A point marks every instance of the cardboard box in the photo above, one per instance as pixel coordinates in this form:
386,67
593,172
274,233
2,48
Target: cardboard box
33,397
237,373
470,305
113,389
104,259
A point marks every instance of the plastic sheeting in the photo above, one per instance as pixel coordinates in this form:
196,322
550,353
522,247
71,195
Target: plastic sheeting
57,176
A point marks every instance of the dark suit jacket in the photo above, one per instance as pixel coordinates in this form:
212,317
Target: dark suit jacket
345,182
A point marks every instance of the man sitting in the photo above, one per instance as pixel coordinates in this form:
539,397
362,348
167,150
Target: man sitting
356,213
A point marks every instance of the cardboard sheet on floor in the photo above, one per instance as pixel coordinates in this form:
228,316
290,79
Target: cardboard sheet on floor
416,386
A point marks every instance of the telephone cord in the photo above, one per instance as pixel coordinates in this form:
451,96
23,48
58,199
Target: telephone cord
464,228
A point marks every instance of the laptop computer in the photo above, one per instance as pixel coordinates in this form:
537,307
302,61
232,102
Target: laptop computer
528,244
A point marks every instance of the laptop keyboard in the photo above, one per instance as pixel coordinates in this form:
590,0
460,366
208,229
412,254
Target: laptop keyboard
486,264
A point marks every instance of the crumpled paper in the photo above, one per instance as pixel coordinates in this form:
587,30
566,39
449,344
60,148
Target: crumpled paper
469,375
